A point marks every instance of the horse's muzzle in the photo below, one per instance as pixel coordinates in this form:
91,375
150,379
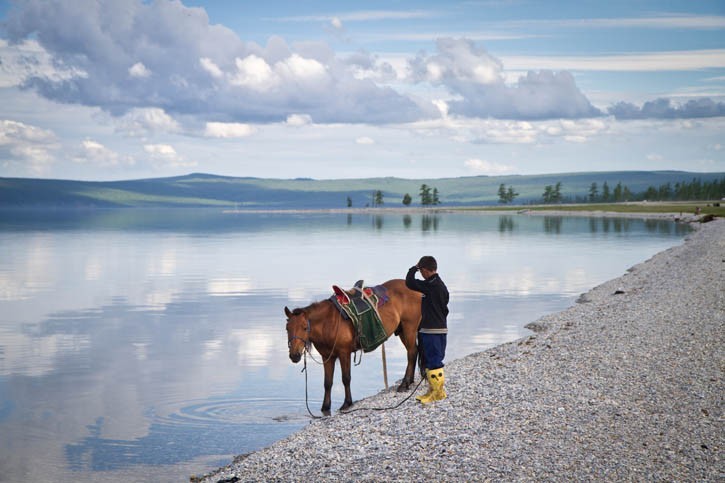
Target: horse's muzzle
295,357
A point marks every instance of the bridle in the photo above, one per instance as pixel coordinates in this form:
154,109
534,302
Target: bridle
307,343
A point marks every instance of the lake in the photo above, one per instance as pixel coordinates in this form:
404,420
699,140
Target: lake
150,345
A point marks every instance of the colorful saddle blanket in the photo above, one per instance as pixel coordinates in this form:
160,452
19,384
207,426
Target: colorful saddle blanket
361,308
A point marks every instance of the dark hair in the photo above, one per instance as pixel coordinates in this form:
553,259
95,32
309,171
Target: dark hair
428,262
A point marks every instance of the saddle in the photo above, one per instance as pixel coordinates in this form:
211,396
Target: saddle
360,306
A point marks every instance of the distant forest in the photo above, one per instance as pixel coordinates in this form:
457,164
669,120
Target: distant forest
681,191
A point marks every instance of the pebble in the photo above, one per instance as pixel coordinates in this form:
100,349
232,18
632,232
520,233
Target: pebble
616,388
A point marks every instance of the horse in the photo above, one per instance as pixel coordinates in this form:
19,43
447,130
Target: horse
321,325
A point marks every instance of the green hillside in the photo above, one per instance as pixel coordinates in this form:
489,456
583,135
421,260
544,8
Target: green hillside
201,190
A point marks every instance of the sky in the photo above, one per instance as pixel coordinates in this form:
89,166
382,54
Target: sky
110,90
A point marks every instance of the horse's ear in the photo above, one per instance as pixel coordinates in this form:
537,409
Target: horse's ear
287,312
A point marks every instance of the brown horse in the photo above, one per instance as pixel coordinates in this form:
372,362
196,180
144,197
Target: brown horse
334,337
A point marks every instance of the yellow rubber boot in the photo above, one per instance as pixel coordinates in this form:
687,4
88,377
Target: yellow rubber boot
427,395
436,379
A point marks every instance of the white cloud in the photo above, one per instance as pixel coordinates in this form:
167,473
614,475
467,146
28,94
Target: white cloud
95,153
206,71
458,61
29,59
228,130
26,145
139,70
208,65
161,150
698,22
254,72
297,120
501,131
487,167
297,67
682,60
140,122
364,140
476,79
165,155
336,23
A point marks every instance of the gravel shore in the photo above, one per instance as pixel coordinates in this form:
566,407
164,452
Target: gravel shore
627,385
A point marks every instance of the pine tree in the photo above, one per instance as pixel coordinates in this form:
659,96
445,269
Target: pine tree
502,194
425,198
593,192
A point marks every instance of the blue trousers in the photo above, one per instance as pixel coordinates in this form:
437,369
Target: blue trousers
433,347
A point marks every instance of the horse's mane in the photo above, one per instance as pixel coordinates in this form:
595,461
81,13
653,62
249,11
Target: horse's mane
313,306
319,305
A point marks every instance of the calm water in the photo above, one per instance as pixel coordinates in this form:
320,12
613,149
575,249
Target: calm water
144,345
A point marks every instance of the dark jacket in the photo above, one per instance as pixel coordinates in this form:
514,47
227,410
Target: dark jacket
434,306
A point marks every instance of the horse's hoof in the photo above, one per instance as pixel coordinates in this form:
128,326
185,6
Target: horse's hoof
403,387
326,412
346,406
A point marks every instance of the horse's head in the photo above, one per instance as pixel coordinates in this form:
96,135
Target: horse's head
298,333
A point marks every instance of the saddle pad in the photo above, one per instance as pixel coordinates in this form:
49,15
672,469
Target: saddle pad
362,312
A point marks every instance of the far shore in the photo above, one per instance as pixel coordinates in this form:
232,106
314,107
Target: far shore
688,211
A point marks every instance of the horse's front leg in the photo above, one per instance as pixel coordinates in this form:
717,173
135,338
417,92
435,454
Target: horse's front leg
329,373
346,378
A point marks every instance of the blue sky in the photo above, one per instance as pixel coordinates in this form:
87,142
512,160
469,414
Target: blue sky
101,89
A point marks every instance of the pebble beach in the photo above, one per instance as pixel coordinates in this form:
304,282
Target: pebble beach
626,385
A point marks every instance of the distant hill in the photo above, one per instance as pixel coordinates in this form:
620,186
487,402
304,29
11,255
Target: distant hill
200,190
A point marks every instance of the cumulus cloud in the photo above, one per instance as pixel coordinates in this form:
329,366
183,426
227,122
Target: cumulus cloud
95,153
336,23
666,109
474,75
364,140
228,130
297,120
139,122
139,70
27,59
364,65
482,166
26,145
124,55
165,155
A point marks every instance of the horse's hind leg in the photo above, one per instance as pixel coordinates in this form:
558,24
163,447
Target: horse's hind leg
408,337
346,378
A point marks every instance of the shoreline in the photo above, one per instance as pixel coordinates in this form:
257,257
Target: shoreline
626,384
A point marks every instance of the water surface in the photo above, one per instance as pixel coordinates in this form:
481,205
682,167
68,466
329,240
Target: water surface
150,345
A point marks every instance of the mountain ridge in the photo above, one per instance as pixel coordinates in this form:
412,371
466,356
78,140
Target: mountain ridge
211,190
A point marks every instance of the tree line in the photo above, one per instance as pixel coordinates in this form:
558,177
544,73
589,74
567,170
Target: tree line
680,191
428,196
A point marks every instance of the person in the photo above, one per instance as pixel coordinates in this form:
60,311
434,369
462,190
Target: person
433,329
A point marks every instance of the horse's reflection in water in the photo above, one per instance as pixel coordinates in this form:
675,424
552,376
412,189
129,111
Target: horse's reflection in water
321,325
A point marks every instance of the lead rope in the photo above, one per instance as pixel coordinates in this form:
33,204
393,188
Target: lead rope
390,408
304,369
307,404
